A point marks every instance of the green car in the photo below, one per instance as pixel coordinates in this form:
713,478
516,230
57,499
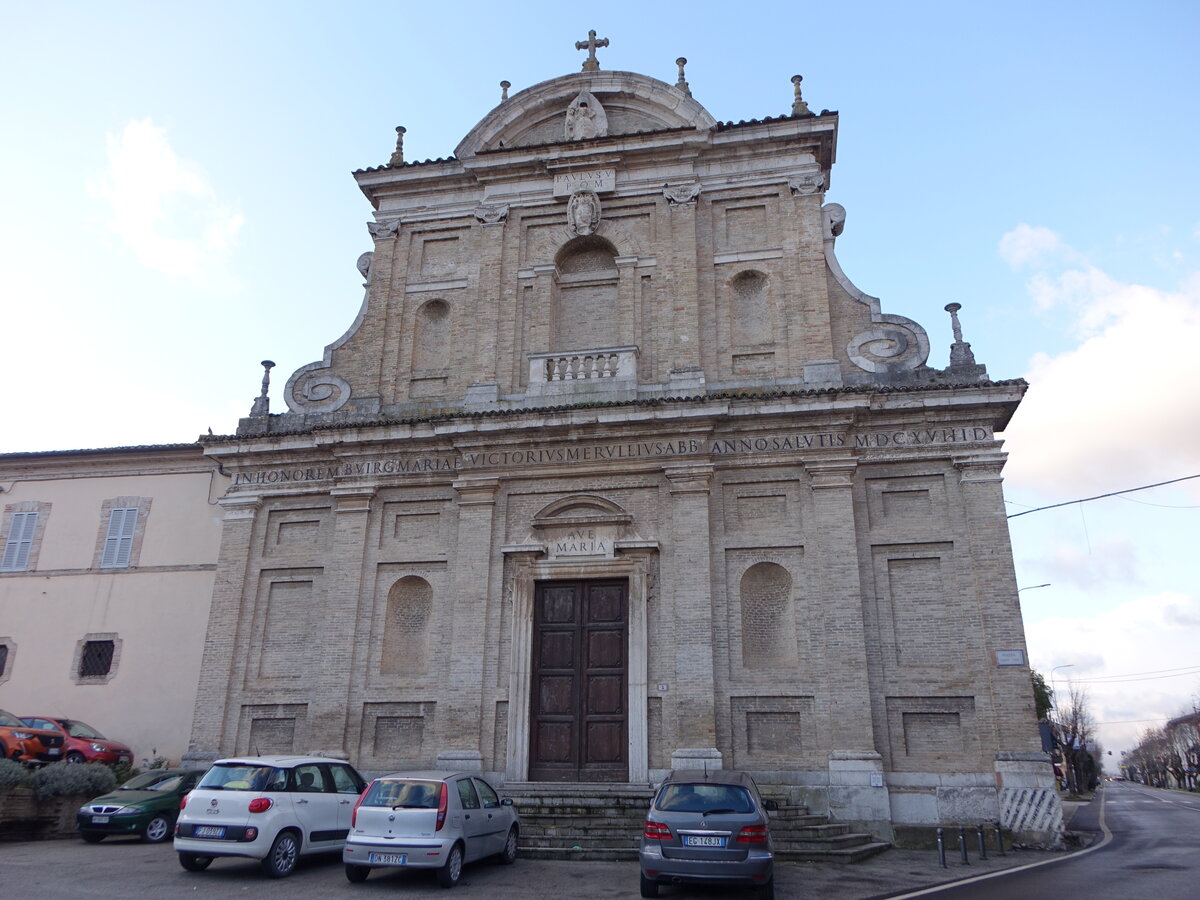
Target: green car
145,805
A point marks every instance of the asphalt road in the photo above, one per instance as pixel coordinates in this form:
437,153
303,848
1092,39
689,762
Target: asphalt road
1148,849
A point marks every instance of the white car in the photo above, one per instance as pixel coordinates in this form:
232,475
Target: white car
430,820
272,808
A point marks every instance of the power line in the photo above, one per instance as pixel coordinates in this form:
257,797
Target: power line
1144,487
1138,674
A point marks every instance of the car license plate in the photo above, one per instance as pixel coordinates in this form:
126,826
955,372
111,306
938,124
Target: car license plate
99,820
703,840
54,751
388,859
209,831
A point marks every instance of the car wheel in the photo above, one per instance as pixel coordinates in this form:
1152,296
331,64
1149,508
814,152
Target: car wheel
194,863
75,757
157,830
449,873
91,837
649,888
357,874
767,891
280,861
509,854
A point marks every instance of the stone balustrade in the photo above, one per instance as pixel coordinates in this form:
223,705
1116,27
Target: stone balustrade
599,370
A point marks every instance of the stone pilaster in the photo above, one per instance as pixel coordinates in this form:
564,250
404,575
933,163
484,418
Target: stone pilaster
210,736
684,316
687,590
329,712
460,708
856,785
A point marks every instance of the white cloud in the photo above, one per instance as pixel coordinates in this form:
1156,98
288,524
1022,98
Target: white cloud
1028,244
1120,409
1106,561
163,207
1151,635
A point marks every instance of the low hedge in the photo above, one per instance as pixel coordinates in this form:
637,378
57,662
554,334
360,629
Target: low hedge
62,779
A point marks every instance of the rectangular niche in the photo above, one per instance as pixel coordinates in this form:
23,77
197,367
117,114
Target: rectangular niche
766,510
926,731
271,728
921,617
743,227
911,502
295,531
754,363
288,625
413,529
394,733
771,732
439,254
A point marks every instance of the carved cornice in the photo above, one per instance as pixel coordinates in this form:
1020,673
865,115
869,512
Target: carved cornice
477,491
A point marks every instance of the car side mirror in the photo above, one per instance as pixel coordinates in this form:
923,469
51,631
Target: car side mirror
771,805
507,801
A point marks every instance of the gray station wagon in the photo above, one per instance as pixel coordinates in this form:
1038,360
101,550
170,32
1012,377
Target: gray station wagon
707,828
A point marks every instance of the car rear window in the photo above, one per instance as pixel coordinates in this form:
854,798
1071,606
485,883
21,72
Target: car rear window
704,798
403,794
153,781
242,777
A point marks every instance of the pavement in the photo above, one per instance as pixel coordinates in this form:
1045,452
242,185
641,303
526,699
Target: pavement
120,868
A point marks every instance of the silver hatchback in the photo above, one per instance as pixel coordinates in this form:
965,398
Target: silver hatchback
708,828
429,820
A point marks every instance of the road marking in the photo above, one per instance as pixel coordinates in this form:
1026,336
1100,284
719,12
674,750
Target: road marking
925,892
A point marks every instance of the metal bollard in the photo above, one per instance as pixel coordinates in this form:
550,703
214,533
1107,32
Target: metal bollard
962,844
982,841
1000,840
941,844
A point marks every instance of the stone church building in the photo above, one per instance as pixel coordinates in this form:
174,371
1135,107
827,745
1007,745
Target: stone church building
616,471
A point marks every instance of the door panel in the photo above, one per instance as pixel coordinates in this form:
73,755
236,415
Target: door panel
579,718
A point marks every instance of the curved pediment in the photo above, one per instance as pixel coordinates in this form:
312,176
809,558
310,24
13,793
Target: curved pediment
617,103
581,508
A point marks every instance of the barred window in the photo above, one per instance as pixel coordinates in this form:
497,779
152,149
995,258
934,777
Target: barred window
96,659
19,542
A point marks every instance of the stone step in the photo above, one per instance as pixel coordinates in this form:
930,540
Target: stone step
828,829
567,853
838,842
847,856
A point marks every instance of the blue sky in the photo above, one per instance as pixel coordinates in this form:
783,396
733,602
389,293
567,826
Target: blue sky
178,206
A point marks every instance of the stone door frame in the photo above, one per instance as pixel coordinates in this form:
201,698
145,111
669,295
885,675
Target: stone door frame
631,563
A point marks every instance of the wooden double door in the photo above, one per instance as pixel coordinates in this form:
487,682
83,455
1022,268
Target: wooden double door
580,704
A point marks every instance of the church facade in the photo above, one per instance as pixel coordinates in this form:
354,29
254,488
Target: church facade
616,472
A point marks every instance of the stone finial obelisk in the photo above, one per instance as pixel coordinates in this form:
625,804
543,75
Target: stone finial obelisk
591,64
960,350
681,83
504,86
398,155
799,107
262,404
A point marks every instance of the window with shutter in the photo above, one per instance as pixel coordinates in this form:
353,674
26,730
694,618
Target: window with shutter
20,540
3,660
119,541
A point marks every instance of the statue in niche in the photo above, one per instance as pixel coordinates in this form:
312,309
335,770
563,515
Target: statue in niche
583,213
585,118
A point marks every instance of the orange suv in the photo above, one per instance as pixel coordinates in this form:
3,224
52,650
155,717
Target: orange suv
28,745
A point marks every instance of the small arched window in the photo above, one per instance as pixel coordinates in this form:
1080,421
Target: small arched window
406,627
432,339
768,623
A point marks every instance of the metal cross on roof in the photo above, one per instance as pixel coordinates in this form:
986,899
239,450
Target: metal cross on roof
591,64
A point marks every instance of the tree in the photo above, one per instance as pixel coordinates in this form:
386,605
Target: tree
1076,727
1042,695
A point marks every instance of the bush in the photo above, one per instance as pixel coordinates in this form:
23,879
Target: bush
123,771
62,779
11,774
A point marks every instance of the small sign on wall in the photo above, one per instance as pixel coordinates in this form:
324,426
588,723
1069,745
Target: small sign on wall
1010,657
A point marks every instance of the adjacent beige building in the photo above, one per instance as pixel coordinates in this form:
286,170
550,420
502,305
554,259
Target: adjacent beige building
616,471
105,582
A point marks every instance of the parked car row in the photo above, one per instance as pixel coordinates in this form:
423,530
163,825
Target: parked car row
46,739
702,827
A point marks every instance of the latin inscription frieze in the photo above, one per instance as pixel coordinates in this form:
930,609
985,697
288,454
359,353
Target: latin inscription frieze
711,448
